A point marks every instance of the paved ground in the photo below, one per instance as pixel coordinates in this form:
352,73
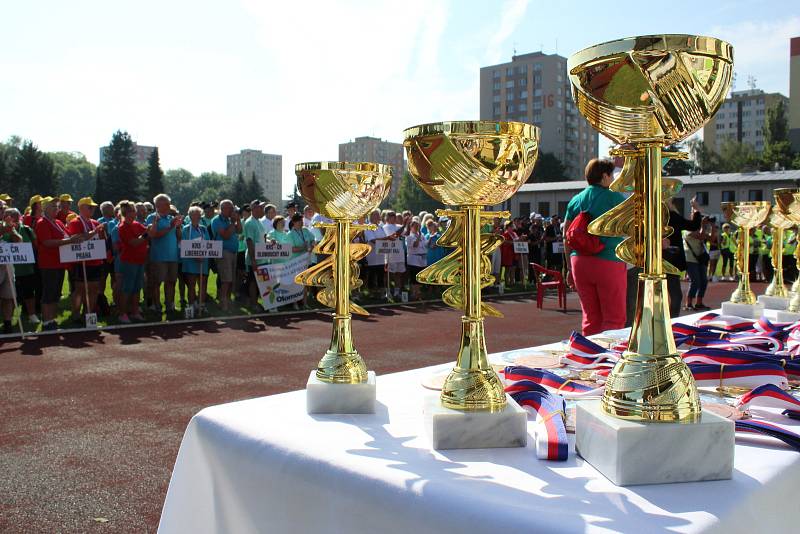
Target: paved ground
91,423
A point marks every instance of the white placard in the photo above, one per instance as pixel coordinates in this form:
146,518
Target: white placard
200,249
520,247
392,249
15,253
268,251
91,249
558,247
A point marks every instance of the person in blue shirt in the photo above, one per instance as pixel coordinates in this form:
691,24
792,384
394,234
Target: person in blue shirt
110,221
164,230
226,227
435,252
195,269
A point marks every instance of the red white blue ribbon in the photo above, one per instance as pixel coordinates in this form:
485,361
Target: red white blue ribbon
744,376
550,432
769,429
586,354
551,381
768,396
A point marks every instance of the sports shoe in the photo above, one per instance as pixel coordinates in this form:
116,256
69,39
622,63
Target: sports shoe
124,319
34,319
49,326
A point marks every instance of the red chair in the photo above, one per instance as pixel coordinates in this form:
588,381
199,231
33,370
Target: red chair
556,282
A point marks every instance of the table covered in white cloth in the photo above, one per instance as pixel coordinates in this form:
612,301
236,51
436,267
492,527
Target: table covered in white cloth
264,465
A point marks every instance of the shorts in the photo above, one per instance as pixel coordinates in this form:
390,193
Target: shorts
164,271
397,267
94,273
52,285
6,283
713,254
132,277
226,266
26,286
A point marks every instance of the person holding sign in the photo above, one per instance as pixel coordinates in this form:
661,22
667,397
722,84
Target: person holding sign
50,235
85,275
279,236
416,256
376,270
254,233
226,227
396,269
507,255
165,232
9,234
195,270
302,244
133,239
24,273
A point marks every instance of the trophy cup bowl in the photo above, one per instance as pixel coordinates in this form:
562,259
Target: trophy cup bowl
781,218
464,163
344,192
745,215
471,164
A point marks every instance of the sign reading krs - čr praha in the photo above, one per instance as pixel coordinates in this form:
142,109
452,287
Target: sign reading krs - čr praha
91,249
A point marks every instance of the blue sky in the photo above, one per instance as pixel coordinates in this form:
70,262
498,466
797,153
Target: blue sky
203,79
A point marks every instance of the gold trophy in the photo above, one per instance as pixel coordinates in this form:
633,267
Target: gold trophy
781,219
343,192
745,215
471,165
645,93
792,312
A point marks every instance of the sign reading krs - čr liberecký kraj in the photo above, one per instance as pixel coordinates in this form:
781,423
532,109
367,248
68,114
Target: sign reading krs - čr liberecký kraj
16,253
91,249
200,249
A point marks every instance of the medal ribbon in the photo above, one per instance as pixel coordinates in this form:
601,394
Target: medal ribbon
550,429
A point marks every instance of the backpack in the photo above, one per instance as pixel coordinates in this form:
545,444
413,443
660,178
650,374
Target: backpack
578,238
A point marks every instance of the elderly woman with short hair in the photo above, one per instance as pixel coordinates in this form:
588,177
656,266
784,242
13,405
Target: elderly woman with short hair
195,270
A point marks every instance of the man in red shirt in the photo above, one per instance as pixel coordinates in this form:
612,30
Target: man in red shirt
65,215
91,229
133,237
51,234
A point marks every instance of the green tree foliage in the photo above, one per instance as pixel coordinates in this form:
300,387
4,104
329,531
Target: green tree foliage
777,149
77,175
677,167
296,198
184,188
411,197
253,189
733,156
155,176
238,192
117,176
33,173
548,169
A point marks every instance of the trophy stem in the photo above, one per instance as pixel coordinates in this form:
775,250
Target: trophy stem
776,288
743,293
472,384
651,382
342,364
796,284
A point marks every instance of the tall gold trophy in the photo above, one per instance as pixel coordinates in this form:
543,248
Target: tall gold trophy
792,312
471,165
343,192
776,296
646,93
745,215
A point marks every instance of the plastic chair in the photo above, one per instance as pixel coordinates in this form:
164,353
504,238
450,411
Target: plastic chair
556,282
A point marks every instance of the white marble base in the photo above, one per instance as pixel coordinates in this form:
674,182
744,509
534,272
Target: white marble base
773,303
787,317
630,453
324,397
456,429
748,311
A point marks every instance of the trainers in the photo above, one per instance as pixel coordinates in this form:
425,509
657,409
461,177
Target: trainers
124,319
34,319
137,318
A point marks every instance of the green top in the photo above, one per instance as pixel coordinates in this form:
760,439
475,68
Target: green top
253,230
301,238
22,269
282,238
597,200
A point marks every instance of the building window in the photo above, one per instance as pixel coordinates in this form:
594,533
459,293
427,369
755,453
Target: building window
523,82
510,71
522,106
495,74
537,67
509,84
525,209
509,95
496,98
729,196
544,209
510,108
496,109
702,198
755,195
720,126
496,85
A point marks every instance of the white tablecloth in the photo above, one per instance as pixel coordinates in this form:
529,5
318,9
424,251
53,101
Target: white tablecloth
264,465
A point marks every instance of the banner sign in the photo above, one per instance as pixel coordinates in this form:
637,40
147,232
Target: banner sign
520,247
276,282
558,247
391,248
15,253
91,249
268,251
201,248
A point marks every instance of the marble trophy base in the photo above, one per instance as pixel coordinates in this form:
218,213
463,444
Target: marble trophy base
456,429
773,303
787,317
324,397
748,311
630,452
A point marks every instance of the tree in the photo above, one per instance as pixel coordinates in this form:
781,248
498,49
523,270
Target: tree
253,190
239,190
737,157
117,176
677,167
76,175
777,149
295,197
155,176
706,161
412,197
548,169
34,172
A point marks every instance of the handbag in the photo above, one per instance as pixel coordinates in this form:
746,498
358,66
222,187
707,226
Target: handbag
701,258
578,238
